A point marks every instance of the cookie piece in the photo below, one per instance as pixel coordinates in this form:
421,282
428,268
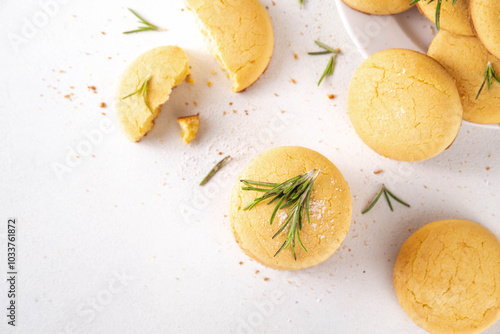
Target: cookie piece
189,127
163,68
379,7
454,18
239,35
404,105
446,277
466,58
485,16
330,210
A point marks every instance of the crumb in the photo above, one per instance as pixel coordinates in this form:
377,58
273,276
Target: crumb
213,72
103,105
293,81
189,80
195,103
256,272
230,103
220,153
223,113
241,262
102,32
103,113
234,111
331,96
282,111
68,96
295,56
276,94
209,83
488,168
92,88
378,171
266,279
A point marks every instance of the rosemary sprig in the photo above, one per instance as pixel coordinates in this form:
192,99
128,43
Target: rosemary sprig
294,194
147,26
387,194
143,88
214,170
438,9
330,67
488,76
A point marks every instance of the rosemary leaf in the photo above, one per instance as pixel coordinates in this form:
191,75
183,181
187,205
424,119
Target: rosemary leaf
143,89
387,194
489,76
147,26
294,194
326,47
214,170
329,69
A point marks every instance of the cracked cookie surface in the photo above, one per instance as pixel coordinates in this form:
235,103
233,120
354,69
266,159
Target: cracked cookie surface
404,105
239,34
447,277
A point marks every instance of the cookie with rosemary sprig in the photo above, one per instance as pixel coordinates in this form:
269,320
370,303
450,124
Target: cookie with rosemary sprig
450,15
145,86
302,233
379,7
467,60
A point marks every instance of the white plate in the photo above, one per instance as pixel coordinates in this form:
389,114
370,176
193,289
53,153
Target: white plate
372,33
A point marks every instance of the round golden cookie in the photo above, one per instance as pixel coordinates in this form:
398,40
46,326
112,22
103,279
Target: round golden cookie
485,16
454,18
240,35
447,277
404,105
466,59
379,7
330,210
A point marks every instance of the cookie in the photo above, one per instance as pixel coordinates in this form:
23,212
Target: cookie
454,18
330,210
485,16
163,69
466,58
239,34
446,277
404,105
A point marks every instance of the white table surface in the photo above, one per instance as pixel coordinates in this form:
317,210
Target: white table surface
136,212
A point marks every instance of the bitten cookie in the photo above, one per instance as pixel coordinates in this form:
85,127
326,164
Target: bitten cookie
330,210
239,35
379,7
485,15
454,18
446,277
466,58
404,105
162,69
